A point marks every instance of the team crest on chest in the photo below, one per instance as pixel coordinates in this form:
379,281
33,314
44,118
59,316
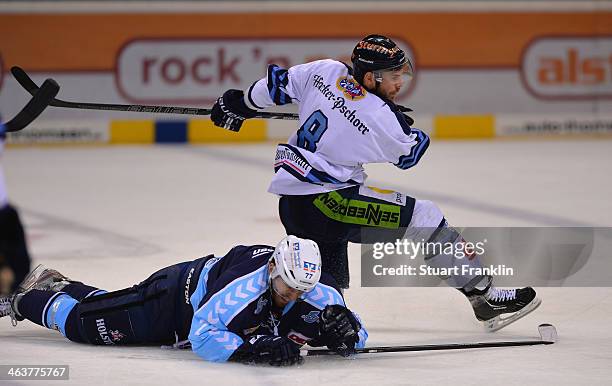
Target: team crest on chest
313,316
350,88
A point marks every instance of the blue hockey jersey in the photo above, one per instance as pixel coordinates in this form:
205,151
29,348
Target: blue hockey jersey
232,301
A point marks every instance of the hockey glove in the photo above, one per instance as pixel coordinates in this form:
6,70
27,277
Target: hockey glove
338,328
230,111
274,350
409,120
403,110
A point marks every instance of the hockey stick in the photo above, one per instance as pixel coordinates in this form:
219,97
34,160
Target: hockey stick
41,98
26,82
548,335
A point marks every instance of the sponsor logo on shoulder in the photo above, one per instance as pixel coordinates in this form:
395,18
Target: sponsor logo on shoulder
311,317
350,88
261,251
212,261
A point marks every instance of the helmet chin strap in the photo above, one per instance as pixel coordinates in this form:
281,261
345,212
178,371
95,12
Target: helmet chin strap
376,89
377,83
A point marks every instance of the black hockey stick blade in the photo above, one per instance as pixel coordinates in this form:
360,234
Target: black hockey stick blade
548,335
26,82
41,98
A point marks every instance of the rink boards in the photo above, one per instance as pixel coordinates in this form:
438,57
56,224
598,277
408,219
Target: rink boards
199,131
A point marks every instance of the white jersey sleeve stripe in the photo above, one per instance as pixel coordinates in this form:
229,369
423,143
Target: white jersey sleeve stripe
416,152
249,99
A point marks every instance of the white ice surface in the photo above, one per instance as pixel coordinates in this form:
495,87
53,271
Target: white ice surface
110,216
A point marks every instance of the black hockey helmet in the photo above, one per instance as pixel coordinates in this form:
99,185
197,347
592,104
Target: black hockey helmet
376,53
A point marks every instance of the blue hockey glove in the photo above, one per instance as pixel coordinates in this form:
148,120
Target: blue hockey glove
230,111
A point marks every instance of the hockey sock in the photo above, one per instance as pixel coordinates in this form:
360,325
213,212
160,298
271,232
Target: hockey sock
46,308
80,291
444,249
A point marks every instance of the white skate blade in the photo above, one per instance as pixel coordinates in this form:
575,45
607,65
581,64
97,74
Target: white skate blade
497,323
41,278
29,281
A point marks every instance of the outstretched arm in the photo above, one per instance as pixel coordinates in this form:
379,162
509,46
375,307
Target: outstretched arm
279,87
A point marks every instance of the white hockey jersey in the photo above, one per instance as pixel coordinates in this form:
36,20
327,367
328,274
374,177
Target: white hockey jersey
342,127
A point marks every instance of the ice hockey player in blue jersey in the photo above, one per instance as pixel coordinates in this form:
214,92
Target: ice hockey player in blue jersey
348,118
256,304
14,256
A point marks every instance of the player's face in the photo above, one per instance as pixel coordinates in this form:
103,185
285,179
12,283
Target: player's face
282,294
391,82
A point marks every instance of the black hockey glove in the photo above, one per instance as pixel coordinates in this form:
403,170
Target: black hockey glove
338,328
230,110
404,110
275,350
409,120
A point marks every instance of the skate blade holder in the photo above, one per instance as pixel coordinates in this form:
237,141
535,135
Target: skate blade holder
548,333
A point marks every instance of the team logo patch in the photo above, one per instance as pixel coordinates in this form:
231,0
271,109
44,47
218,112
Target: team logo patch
350,88
261,251
312,317
116,335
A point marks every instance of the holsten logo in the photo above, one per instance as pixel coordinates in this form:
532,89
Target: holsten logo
568,67
200,70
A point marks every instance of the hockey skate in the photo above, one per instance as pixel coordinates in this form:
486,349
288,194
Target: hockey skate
40,278
44,279
496,308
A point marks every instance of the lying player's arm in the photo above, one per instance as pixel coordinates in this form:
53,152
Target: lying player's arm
209,336
213,342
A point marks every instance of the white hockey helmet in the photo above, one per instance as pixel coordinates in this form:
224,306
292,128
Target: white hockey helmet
298,262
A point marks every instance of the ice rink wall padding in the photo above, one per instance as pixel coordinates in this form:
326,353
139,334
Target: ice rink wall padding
182,131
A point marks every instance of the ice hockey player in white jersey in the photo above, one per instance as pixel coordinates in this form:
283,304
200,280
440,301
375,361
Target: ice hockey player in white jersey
348,118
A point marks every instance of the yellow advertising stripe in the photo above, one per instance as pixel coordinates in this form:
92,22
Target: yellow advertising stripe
204,131
132,131
464,126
